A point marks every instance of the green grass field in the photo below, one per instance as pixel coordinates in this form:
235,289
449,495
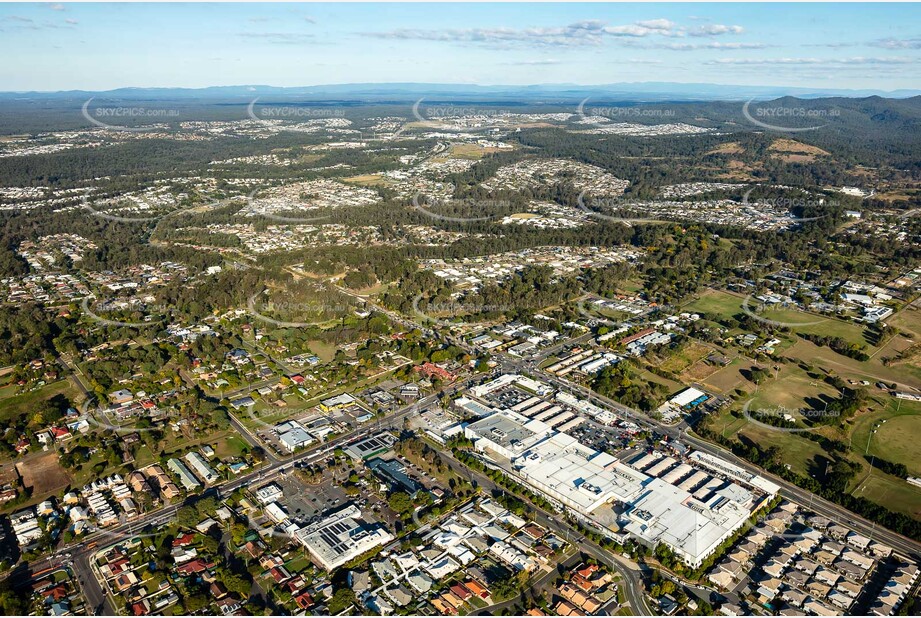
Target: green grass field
872,370
725,304
798,452
14,406
716,302
892,492
325,351
231,447
793,389
896,439
685,357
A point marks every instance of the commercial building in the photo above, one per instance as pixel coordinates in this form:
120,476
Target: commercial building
370,447
506,433
293,436
577,476
337,402
269,493
341,537
393,473
592,483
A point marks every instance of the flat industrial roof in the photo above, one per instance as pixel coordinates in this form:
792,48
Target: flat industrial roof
507,428
576,474
666,513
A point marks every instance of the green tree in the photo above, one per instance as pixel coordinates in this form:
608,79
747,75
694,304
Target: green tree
400,502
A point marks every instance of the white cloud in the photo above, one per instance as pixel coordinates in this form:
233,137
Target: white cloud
279,38
590,32
715,30
892,43
657,24
534,63
696,46
857,60
630,30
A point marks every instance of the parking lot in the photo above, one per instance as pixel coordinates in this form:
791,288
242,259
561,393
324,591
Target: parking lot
307,502
599,437
508,397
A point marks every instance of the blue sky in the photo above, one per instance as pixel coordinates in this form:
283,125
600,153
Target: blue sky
53,46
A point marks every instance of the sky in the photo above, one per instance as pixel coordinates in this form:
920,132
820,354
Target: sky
96,46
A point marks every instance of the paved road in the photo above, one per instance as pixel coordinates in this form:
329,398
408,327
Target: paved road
64,360
630,576
247,435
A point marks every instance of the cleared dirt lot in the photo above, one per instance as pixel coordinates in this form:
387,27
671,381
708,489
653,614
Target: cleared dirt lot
43,474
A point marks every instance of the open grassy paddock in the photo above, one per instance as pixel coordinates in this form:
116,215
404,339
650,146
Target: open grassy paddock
731,377
716,302
689,354
794,389
898,427
13,406
890,491
902,375
325,351
729,305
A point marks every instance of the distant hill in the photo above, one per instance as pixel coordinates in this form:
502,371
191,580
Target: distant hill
538,93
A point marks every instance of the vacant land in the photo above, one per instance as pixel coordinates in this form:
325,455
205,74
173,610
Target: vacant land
908,319
892,492
325,351
686,356
14,406
369,180
43,474
471,151
803,456
902,375
730,305
898,427
728,148
231,447
699,372
794,389
791,151
731,377
716,302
